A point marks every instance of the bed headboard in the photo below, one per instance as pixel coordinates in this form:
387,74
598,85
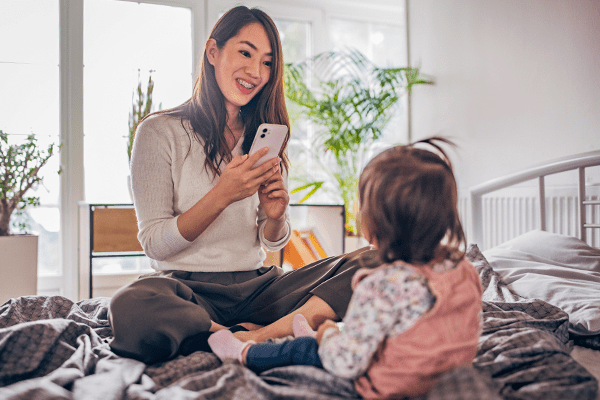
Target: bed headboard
576,162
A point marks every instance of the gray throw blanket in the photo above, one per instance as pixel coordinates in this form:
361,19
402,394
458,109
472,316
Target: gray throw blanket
51,347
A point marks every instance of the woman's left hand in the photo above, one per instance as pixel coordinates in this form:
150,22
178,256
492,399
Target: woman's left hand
274,196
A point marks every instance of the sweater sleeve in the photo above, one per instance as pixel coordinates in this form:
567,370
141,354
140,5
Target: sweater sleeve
152,187
383,305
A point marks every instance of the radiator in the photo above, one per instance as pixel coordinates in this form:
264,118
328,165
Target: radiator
508,216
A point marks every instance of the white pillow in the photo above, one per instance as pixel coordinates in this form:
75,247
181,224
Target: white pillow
561,270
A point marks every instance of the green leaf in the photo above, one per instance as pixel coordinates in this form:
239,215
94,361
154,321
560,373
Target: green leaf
314,185
350,101
20,165
140,108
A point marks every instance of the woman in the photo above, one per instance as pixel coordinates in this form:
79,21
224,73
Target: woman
205,213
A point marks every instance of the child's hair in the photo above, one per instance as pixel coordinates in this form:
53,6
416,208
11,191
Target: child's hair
408,198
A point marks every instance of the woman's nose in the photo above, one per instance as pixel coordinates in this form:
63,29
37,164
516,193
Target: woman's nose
253,69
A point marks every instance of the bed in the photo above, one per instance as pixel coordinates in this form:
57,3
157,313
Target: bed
540,338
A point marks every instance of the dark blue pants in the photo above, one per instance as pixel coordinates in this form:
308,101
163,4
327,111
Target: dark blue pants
300,351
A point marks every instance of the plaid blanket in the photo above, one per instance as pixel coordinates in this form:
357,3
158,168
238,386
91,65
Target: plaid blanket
51,347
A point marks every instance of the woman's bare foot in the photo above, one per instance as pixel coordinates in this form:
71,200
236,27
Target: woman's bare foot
316,311
214,327
250,326
245,336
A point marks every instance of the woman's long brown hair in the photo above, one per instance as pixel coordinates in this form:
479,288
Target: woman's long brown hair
206,111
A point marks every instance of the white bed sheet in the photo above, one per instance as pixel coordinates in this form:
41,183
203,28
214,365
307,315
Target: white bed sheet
561,270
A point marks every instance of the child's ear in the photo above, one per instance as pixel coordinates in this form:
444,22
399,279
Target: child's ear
212,51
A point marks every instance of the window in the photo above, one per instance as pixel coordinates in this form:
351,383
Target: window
123,41
384,45
29,100
115,39
295,41
140,40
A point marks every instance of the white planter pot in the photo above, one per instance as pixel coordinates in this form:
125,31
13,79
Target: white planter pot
18,266
352,243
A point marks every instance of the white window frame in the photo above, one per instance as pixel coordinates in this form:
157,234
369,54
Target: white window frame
71,132
317,12
204,14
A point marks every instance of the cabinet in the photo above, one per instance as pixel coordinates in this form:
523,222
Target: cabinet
107,231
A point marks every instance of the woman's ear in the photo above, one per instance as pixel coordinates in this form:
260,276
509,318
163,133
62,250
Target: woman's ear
211,50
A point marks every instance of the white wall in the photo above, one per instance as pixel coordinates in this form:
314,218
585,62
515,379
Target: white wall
517,81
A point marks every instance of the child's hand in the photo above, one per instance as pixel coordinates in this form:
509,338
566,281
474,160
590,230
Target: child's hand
323,327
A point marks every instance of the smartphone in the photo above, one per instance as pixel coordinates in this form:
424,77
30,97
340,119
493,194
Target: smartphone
271,136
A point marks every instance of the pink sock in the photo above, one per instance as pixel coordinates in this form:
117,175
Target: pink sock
301,327
226,346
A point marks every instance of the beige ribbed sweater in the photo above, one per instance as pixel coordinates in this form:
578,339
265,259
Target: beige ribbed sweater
167,180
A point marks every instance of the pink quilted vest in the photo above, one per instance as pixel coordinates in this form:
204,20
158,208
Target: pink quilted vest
444,338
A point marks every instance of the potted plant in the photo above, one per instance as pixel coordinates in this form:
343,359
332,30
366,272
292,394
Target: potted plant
140,107
20,165
350,103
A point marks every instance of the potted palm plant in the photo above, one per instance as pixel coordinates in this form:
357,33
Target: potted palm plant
350,101
140,107
20,166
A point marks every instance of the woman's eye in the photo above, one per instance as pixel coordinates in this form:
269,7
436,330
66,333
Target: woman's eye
268,63
245,53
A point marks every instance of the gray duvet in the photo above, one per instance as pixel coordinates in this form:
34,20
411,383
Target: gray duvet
52,348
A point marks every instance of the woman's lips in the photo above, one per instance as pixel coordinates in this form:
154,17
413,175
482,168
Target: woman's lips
246,87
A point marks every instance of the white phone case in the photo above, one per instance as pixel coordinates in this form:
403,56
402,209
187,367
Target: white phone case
271,136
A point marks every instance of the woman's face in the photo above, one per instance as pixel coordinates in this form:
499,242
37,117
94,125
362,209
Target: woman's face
242,66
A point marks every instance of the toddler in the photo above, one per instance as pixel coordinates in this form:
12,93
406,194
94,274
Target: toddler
412,318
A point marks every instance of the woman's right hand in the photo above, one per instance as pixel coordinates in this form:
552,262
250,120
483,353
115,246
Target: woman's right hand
239,180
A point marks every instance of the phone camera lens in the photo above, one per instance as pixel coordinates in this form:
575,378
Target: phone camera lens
265,129
262,136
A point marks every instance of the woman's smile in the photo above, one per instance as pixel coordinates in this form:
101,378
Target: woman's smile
242,65
244,86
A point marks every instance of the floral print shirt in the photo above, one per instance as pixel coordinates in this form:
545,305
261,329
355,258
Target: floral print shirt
385,304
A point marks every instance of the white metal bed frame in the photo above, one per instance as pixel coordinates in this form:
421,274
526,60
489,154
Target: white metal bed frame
576,162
